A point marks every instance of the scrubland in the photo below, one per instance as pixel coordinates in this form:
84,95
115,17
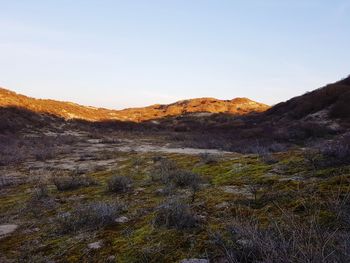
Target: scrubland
97,198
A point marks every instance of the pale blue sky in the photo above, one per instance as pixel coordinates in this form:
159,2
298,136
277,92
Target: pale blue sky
119,54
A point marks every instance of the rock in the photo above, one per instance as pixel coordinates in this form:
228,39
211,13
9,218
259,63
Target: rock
121,220
139,190
30,231
7,229
95,245
194,260
222,205
232,189
111,259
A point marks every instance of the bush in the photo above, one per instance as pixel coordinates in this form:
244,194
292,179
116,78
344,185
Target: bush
175,214
163,170
341,108
208,158
44,153
41,191
119,184
312,158
91,216
71,182
289,241
183,178
338,152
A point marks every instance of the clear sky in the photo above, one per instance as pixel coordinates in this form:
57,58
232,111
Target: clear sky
126,53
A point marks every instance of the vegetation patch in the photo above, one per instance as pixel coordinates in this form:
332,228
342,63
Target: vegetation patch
89,216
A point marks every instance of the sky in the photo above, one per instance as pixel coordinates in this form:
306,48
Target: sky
129,53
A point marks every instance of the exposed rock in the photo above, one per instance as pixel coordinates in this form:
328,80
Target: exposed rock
139,189
95,245
239,190
7,229
111,259
122,219
222,205
30,231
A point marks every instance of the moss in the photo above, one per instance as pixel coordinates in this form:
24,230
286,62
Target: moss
138,241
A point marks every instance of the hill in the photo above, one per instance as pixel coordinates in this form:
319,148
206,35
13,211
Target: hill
332,99
68,110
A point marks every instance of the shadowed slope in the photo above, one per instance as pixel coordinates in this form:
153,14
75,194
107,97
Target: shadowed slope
333,99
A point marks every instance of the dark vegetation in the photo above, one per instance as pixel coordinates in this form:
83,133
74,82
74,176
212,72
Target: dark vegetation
291,240
175,213
174,177
71,182
333,96
283,126
16,148
119,184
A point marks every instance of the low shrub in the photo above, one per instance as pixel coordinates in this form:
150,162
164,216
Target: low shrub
91,216
41,191
163,170
338,152
184,178
175,214
288,241
207,158
119,184
312,158
43,153
341,108
71,182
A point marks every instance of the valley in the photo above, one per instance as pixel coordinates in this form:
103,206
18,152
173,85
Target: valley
207,186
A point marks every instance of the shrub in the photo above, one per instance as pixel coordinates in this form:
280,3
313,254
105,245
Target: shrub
91,216
264,153
119,184
41,191
183,178
290,239
71,182
175,214
43,153
163,170
312,157
208,158
341,108
338,152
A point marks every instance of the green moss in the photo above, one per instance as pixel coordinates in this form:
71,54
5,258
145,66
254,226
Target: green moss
139,241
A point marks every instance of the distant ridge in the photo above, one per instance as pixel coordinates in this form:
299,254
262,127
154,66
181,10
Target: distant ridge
69,110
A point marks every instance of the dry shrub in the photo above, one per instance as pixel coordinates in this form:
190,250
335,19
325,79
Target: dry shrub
175,214
163,169
208,158
337,152
71,182
321,234
91,216
119,184
341,108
